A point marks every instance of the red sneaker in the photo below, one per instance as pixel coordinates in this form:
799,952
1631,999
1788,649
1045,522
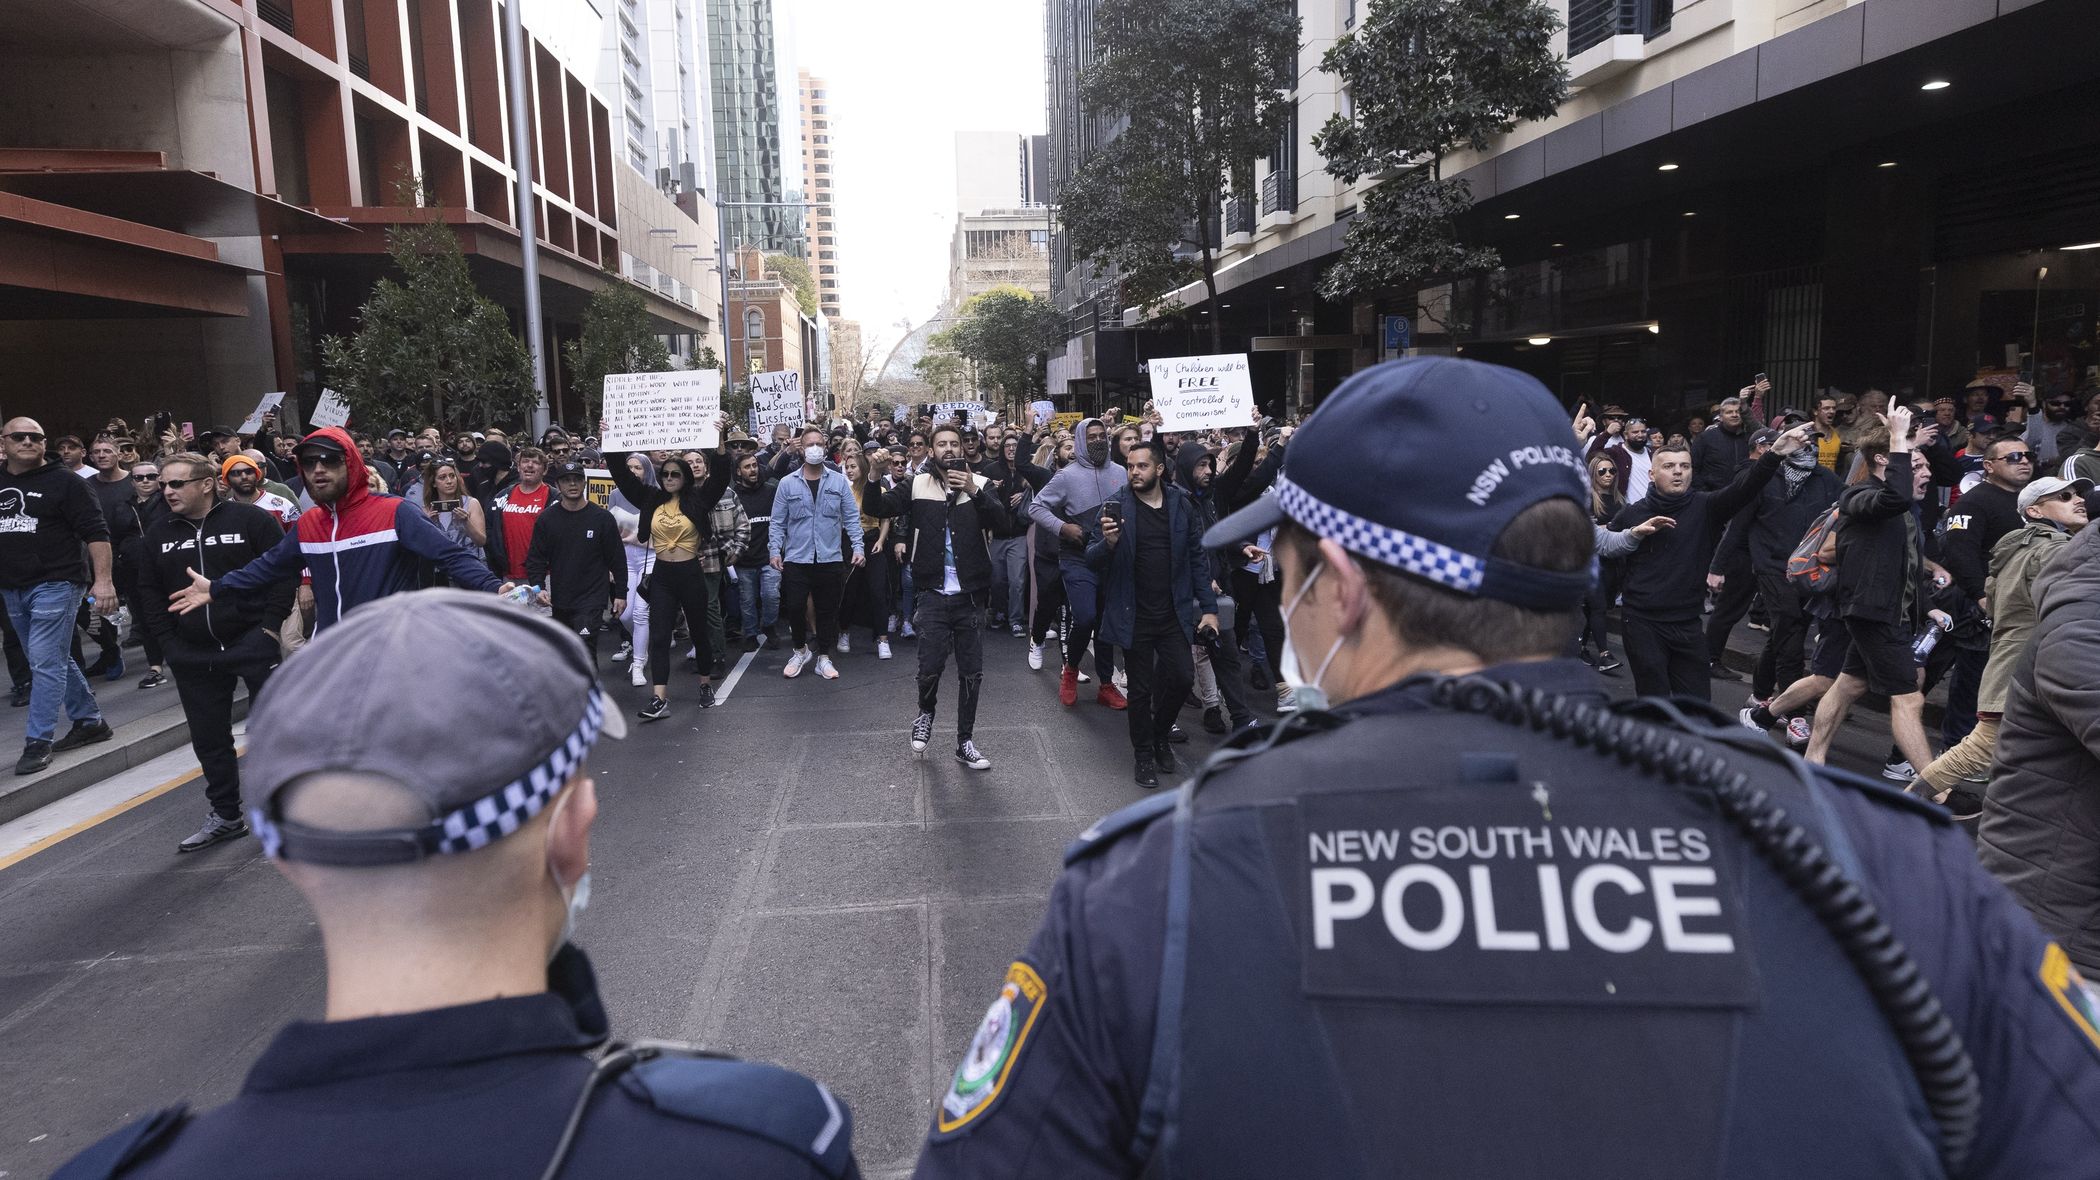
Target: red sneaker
1068,687
1110,697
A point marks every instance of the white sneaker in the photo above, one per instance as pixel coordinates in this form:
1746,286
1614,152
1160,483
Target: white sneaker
1085,679
692,653
825,669
796,663
882,649
639,676
906,630
620,656
1121,682
1898,772
1035,657
1286,698
845,643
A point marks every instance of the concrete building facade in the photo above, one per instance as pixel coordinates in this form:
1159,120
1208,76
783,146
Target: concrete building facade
822,245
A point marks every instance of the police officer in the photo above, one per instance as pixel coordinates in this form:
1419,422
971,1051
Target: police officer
1474,922
464,1035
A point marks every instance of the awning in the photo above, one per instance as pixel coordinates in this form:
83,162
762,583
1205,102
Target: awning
195,203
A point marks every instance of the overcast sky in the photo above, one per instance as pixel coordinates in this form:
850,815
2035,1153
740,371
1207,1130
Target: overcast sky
902,80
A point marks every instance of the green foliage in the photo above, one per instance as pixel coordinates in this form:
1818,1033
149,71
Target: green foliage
1197,87
941,368
795,273
429,347
1429,77
617,338
1006,334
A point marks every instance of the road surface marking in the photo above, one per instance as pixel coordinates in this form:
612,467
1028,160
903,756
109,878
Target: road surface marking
65,818
735,674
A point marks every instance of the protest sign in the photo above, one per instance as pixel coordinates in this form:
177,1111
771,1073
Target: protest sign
1202,392
1041,411
947,411
776,400
253,422
332,410
662,411
985,423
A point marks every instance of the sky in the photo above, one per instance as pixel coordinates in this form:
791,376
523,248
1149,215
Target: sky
902,79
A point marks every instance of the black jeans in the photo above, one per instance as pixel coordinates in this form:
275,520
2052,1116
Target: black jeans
1668,657
1160,668
803,584
585,623
676,586
1730,607
867,592
207,704
948,622
1780,663
1232,690
1964,680
1261,605
1049,598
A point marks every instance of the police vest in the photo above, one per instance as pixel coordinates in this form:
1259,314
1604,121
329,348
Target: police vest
1435,944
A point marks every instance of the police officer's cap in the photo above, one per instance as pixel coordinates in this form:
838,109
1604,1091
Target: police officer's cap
1419,465
480,708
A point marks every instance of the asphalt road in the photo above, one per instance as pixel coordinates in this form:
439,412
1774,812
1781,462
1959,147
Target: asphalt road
777,877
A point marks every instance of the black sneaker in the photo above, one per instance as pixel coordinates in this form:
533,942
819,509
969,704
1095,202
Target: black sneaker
720,667
1147,776
656,710
707,696
83,733
921,732
1721,671
969,755
19,697
36,755
1177,734
1163,759
152,680
1606,662
214,830
1214,720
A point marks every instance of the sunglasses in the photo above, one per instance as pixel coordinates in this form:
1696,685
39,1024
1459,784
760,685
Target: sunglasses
2016,457
183,483
26,436
314,461
2067,496
145,478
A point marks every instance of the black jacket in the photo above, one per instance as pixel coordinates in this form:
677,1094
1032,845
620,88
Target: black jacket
758,509
229,627
582,550
931,514
1023,479
1188,577
1985,513
46,515
1717,455
1666,576
698,504
1881,550
1776,522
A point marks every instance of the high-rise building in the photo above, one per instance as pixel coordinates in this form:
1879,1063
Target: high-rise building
822,248
652,70
757,117
1000,170
1035,170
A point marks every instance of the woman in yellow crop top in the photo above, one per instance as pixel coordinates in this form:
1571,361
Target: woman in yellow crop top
673,527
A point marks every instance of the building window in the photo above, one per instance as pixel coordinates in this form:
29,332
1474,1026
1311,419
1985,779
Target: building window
754,324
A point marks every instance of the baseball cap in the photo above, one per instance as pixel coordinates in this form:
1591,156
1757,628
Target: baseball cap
1764,437
1614,410
320,441
1474,444
569,470
522,709
2047,486
214,432
397,432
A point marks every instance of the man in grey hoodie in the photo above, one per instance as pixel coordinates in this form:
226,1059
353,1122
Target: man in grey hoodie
1070,505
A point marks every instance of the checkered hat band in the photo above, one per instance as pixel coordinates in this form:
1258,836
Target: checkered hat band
508,808
1404,551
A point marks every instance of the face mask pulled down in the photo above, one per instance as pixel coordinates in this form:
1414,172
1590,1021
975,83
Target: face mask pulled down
1308,693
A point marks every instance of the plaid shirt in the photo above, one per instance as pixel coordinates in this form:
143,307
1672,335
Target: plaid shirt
730,532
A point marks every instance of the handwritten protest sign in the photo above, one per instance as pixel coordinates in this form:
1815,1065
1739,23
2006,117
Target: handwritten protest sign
1041,411
947,411
662,411
1202,392
332,410
253,422
776,400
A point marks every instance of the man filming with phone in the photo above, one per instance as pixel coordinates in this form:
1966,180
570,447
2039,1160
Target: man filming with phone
1156,599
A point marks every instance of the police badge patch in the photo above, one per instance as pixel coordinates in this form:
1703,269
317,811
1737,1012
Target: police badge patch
994,1050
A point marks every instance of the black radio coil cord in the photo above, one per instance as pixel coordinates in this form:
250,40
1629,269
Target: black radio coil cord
1934,1049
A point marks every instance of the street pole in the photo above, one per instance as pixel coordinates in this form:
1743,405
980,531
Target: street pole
528,214
722,265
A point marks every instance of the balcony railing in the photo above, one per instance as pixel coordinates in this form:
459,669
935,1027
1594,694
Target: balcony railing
1592,22
1279,193
1239,217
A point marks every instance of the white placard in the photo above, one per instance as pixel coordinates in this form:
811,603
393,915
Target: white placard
990,416
776,400
897,413
1202,392
946,411
331,410
1043,411
662,411
253,422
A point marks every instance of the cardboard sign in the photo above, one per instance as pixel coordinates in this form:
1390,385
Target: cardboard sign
331,410
253,422
1041,411
947,411
662,411
776,400
1202,392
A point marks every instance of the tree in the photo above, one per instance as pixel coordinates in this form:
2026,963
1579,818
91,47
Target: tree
795,273
1429,77
1198,87
617,338
1006,334
947,373
430,343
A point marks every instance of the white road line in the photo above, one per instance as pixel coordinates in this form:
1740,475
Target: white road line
114,791
735,674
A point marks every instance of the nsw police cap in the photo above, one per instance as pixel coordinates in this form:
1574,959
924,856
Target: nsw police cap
1419,465
480,708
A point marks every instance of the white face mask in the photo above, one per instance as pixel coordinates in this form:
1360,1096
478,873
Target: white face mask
579,900
814,456
1310,696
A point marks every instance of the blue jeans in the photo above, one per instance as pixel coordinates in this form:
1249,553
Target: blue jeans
43,617
760,610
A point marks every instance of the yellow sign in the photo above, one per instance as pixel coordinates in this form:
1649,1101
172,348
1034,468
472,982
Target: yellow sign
598,486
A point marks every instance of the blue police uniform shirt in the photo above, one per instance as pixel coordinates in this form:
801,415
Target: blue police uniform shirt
1658,1003
485,1089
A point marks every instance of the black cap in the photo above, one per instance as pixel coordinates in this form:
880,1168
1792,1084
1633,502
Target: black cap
319,441
569,470
214,432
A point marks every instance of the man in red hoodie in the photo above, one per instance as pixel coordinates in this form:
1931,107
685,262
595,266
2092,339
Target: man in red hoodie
357,544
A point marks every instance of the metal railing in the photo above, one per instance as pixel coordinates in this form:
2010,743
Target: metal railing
1279,193
1592,22
1239,216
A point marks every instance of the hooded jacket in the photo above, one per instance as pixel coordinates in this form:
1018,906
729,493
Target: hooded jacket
362,547
1072,495
2040,833
225,630
2015,560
